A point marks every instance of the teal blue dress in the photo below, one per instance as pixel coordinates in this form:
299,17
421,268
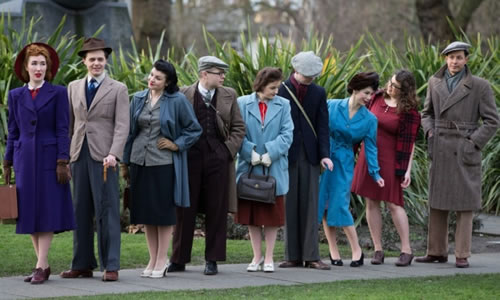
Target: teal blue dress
335,186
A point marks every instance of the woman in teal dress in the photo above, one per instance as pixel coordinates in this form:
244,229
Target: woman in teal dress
350,123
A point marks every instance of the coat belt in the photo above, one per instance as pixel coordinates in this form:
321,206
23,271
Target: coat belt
455,125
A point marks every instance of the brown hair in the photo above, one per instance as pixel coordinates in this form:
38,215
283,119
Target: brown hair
35,50
363,80
408,91
266,76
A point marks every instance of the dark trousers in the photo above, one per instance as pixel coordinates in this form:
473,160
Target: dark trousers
95,199
301,211
208,179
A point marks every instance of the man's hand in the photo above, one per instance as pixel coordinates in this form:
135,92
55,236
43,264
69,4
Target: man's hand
327,163
109,161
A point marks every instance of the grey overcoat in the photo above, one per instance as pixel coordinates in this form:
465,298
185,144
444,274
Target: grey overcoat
462,123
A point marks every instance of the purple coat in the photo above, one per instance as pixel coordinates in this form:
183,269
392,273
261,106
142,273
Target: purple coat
37,137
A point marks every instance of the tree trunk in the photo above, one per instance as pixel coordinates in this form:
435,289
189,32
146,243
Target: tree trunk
149,19
432,17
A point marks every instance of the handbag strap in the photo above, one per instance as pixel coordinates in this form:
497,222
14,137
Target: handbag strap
263,171
301,108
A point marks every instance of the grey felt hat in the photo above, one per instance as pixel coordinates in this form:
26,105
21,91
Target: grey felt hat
307,64
456,46
208,62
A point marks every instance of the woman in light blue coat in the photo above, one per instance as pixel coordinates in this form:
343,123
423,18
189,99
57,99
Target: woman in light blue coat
268,137
349,123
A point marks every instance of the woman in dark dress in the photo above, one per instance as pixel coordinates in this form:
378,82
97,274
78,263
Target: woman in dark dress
163,127
38,148
398,121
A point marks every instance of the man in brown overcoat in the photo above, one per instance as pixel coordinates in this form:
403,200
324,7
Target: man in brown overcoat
459,118
210,165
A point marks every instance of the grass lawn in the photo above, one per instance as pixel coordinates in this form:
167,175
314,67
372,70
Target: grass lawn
448,287
18,257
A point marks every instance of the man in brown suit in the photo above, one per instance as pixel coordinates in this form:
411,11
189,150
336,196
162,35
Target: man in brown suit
99,125
459,118
210,165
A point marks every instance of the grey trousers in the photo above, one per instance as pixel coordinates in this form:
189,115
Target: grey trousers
301,211
94,199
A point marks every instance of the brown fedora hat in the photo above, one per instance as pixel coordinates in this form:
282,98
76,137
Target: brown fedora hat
92,44
19,63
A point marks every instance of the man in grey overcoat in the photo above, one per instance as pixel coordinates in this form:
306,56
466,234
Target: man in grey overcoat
99,126
459,117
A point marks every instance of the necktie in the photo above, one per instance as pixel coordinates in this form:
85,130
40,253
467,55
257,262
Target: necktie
207,98
92,87
34,92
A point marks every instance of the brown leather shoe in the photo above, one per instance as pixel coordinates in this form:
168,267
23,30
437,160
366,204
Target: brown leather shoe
110,276
29,277
404,259
431,259
291,264
378,258
319,265
76,274
462,263
40,276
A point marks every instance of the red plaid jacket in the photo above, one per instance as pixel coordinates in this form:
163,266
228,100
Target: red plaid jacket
409,123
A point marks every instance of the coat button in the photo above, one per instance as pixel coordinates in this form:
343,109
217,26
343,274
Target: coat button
455,153
33,122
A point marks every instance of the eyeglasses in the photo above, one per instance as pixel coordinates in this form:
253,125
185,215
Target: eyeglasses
220,74
394,85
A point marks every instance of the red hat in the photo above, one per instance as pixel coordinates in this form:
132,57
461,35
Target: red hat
19,64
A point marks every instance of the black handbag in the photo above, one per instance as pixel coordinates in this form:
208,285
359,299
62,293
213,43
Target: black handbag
255,187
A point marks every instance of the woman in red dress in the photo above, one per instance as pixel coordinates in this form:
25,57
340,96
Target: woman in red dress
398,122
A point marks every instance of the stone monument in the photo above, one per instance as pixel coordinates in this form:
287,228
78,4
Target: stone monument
83,18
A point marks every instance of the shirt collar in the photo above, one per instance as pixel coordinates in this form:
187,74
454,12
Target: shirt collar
30,87
99,79
204,91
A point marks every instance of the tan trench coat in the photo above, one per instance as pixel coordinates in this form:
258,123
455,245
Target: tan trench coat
228,110
458,137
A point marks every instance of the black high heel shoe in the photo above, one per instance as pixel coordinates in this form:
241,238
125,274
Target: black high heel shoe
336,262
358,263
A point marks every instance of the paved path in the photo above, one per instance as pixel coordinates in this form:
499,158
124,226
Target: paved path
235,276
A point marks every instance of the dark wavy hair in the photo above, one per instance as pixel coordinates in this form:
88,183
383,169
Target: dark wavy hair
266,76
363,80
169,70
407,93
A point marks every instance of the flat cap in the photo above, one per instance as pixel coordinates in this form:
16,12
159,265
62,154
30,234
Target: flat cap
456,46
208,62
307,64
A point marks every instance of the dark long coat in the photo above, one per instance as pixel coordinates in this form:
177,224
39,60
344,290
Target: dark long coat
457,139
37,137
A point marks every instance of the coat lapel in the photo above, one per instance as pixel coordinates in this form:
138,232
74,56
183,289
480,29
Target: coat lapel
460,92
104,89
26,99
344,110
45,95
253,107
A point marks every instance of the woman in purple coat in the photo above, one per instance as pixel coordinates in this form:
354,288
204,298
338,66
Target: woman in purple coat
38,148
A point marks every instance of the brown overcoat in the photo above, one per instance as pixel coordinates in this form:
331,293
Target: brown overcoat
461,123
234,127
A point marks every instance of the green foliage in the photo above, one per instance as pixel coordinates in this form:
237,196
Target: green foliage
369,53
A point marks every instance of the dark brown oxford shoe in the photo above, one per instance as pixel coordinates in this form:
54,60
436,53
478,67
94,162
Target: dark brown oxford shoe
431,259
76,274
110,276
462,263
291,264
319,265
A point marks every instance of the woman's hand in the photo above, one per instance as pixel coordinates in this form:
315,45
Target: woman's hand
266,160
406,179
164,143
327,163
381,182
255,160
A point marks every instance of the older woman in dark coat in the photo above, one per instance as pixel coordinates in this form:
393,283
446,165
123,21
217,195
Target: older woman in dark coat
38,148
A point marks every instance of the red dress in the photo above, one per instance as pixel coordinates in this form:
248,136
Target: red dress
387,133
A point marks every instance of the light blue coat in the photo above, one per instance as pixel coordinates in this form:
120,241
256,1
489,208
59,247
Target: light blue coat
335,186
274,136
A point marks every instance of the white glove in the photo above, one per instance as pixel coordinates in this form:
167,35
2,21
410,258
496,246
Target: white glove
266,160
255,158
